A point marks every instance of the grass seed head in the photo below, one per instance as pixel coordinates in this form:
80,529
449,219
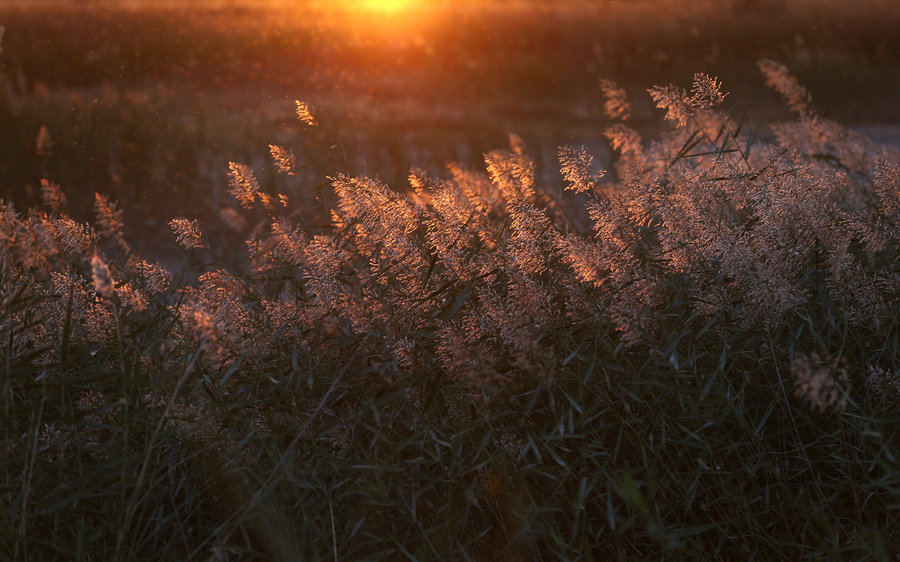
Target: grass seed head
305,113
101,277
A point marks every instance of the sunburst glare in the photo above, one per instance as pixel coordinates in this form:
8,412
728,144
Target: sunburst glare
386,6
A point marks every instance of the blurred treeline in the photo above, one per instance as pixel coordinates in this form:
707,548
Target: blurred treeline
148,101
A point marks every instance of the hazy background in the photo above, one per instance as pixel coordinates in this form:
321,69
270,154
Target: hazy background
147,101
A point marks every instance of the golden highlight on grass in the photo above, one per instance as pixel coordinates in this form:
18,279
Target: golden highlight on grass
283,158
305,113
187,233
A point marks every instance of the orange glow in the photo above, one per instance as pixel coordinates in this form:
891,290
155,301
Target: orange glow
386,6
381,16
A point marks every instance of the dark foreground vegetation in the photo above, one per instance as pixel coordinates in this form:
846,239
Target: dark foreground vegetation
693,353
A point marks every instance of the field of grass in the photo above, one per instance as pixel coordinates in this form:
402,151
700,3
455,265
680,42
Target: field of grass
279,284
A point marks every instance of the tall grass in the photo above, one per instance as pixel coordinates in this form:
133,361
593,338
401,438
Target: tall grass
459,370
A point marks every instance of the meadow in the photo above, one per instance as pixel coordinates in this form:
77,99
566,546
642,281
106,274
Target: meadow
517,281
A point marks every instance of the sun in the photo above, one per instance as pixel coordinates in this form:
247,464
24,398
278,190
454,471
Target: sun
396,18
386,6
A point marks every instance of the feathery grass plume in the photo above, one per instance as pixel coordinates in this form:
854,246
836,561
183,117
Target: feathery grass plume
53,244
779,78
76,238
821,383
706,92
109,220
615,100
766,271
886,179
386,220
624,139
324,260
675,101
101,277
100,322
283,158
418,179
28,242
516,143
762,234
204,326
223,297
534,238
152,277
797,215
261,251
616,229
575,166
290,243
618,262
457,230
53,196
187,233
811,136
242,184
512,173
286,241
305,113
519,318
585,257
766,260
68,284
131,297
43,143
222,283
426,187
693,218
476,186
878,223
